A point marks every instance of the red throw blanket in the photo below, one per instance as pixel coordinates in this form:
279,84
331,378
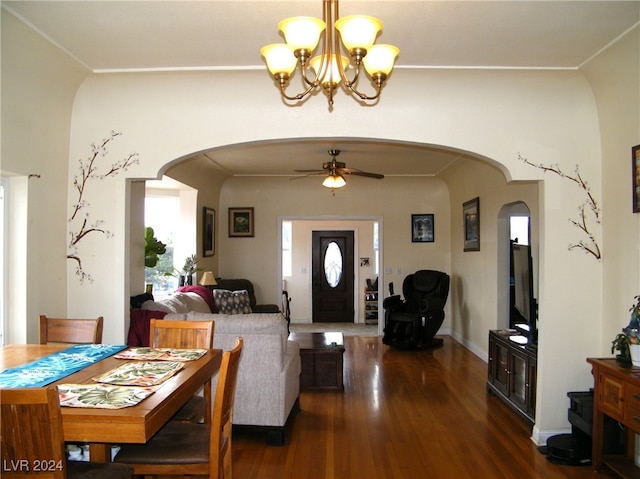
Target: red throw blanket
140,319
204,293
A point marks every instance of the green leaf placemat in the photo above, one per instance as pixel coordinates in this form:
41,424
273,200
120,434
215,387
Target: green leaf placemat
141,373
101,396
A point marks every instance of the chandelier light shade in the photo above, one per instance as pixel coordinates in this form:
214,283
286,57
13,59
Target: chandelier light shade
354,34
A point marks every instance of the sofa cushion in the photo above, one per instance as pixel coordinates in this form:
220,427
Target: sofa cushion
179,303
204,292
232,302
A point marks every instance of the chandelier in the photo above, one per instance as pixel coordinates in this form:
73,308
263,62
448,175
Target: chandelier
327,70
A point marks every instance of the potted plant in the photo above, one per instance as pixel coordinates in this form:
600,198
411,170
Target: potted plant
628,342
152,248
185,275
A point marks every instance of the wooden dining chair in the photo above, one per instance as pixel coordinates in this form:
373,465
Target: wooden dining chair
32,444
164,333
188,448
74,331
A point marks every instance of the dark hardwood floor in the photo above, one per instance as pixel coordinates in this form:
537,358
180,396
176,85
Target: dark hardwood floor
402,414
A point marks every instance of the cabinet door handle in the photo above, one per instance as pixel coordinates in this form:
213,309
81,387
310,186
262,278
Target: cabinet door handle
636,418
637,396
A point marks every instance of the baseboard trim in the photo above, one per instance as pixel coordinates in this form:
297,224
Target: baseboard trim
539,437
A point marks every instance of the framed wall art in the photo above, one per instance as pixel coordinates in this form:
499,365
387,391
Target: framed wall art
635,164
208,231
471,217
422,228
241,222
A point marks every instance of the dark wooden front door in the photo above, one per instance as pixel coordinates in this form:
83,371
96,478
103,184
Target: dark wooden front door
332,276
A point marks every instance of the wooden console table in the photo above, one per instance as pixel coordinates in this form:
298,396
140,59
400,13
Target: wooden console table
321,358
617,395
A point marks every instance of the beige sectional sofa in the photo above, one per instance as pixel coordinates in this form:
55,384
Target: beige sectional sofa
269,374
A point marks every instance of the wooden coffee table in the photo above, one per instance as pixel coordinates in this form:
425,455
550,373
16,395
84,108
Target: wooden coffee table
321,356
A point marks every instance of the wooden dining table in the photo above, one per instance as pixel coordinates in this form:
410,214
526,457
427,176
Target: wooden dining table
101,428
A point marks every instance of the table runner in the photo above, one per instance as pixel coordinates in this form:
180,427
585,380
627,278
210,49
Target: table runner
56,366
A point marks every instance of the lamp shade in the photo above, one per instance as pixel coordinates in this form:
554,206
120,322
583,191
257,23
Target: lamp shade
358,31
279,58
208,279
334,181
380,59
302,32
333,75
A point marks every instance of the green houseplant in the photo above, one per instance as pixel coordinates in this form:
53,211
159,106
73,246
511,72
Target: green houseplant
628,341
185,275
152,248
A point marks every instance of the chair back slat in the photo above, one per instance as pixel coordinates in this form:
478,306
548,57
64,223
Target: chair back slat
164,333
31,434
222,418
73,331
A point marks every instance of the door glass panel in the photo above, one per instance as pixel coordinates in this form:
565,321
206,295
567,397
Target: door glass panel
333,264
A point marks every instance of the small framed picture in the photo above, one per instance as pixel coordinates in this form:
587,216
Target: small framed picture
422,230
241,222
471,218
635,163
208,231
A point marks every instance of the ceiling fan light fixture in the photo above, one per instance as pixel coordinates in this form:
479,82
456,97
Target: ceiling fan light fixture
334,181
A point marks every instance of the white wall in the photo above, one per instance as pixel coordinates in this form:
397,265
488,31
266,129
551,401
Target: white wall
615,78
39,83
395,199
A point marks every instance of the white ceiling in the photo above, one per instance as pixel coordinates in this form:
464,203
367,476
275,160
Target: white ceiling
111,35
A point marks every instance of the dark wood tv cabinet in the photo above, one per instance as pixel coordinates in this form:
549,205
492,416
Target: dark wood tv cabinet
513,365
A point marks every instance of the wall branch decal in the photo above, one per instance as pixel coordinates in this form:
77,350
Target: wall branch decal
590,245
88,170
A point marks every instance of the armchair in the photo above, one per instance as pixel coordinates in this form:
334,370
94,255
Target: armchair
413,323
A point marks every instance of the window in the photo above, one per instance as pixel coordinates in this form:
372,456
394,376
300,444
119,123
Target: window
376,248
162,213
287,255
519,229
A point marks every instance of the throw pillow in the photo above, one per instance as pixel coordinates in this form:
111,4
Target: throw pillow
232,302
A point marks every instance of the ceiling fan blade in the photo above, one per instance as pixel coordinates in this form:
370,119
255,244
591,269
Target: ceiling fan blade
353,171
313,173
310,171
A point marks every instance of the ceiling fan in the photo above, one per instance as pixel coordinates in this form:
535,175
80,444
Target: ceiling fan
336,170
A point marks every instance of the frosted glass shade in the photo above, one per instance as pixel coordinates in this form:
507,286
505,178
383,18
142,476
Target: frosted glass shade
279,58
333,75
380,59
358,31
334,181
302,32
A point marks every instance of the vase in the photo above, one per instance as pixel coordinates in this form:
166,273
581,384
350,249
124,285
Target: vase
634,349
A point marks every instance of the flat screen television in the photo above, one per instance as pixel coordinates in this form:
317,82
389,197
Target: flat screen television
523,314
